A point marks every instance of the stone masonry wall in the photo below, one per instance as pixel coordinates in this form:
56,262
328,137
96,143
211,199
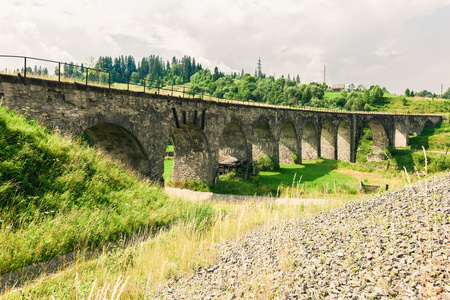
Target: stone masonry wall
135,127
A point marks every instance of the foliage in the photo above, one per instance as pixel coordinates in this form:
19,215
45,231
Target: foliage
267,163
59,195
365,145
295,158
446,95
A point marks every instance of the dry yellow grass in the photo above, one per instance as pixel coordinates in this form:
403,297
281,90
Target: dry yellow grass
137,271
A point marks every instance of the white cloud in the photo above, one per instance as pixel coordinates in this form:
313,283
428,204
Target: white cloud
397,44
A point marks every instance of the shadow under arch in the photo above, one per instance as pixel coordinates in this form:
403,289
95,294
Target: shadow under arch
429,123
121,145
310,142
233,142
192,155
343,142
288,143
415,129
327,141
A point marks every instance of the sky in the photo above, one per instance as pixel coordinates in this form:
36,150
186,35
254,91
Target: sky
396,44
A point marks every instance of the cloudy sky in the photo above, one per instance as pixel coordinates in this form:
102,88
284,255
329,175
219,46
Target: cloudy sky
398,44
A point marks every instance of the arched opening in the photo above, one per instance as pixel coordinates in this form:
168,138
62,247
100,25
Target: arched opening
168,162
327,141
310,142
401,135
232,149
191,154
414,128
120,145
343,142
365,144
233,142
372,140
288,144
380,138
429,123
263,141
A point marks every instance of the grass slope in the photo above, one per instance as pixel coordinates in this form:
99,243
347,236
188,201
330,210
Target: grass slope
58,195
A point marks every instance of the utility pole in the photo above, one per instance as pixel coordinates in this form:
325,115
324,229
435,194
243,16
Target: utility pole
324,72
442,87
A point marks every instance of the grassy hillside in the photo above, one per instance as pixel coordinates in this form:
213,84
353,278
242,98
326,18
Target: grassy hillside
59,195
404,104
432,138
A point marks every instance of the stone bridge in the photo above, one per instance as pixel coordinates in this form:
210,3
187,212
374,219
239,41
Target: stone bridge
135,127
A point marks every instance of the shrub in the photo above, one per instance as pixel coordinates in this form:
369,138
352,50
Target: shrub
267,163
295,158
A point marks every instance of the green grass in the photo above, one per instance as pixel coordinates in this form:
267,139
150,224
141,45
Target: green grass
58,195
433,138
331,95
168,168
311,175
396,103
416,160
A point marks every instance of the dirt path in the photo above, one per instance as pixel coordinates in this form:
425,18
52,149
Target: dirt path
203,196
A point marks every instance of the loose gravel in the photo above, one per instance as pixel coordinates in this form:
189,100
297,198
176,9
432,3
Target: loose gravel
394,245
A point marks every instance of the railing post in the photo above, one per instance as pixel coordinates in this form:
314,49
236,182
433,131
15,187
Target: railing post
59,72
109,80
128,83
183,90
87,75
25,67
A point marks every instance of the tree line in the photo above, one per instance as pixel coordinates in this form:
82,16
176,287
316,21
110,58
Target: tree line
245,87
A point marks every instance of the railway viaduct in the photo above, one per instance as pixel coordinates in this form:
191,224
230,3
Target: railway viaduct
135,127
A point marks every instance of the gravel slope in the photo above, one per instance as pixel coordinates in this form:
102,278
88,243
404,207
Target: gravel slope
393,245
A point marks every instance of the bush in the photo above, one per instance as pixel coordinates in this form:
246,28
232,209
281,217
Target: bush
439,165
267,163
295,158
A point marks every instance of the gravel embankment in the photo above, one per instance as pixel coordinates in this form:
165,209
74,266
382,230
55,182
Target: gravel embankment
394,245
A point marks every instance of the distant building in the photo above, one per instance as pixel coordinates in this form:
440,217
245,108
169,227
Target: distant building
337,87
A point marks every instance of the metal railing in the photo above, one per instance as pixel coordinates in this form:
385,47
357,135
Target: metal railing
91,77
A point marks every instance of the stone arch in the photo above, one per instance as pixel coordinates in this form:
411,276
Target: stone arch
233,142
343,142
192,155
429,123
327,141
263,141
121,145
288,143
401,134
379,135
414,128
310,142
